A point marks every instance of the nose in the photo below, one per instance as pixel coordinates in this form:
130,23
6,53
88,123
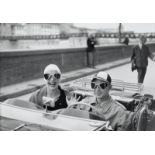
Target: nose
51,78
97,86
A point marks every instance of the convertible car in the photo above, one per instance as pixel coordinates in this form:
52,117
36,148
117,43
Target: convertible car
19,115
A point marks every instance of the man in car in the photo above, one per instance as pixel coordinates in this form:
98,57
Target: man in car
109,109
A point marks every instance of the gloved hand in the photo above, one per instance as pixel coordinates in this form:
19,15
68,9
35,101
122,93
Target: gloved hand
48,101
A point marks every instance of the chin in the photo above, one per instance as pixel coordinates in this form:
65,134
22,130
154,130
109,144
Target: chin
99,96
52,86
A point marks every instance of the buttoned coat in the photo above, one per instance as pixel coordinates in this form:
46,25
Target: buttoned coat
141,56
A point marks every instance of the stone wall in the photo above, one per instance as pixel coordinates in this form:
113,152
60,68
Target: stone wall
24,65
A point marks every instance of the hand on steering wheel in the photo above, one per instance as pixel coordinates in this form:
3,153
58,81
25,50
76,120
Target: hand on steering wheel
82,106
73,102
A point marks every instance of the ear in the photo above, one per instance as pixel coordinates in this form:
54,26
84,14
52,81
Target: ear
110,86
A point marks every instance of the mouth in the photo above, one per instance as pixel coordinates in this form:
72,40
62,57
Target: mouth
97,93
52,84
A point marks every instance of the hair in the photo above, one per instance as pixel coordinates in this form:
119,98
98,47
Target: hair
143,37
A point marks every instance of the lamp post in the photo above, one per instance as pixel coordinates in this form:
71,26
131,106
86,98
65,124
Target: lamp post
120,31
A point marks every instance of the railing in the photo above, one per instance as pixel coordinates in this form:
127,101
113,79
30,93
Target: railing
70,35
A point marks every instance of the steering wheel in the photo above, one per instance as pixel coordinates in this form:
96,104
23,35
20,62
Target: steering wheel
74,101
95,110
85,104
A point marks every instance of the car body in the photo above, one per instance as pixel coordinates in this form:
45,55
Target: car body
17,114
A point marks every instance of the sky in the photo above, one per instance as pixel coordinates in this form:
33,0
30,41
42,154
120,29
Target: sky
136,27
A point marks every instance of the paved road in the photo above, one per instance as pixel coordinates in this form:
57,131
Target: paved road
124,73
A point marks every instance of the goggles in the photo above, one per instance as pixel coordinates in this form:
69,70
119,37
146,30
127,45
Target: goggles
48,76
102,85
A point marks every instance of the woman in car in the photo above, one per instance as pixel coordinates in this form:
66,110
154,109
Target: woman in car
51,96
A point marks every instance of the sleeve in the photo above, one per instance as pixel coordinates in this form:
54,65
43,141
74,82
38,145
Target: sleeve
125,121
150,54
133,56
35,99
96,41
88,42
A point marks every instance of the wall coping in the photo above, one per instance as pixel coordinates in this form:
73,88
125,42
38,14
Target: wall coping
25,52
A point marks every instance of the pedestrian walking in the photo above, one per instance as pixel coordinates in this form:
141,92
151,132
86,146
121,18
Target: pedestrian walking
139,58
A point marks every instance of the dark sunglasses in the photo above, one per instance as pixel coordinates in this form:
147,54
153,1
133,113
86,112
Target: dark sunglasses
48,76
101,85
